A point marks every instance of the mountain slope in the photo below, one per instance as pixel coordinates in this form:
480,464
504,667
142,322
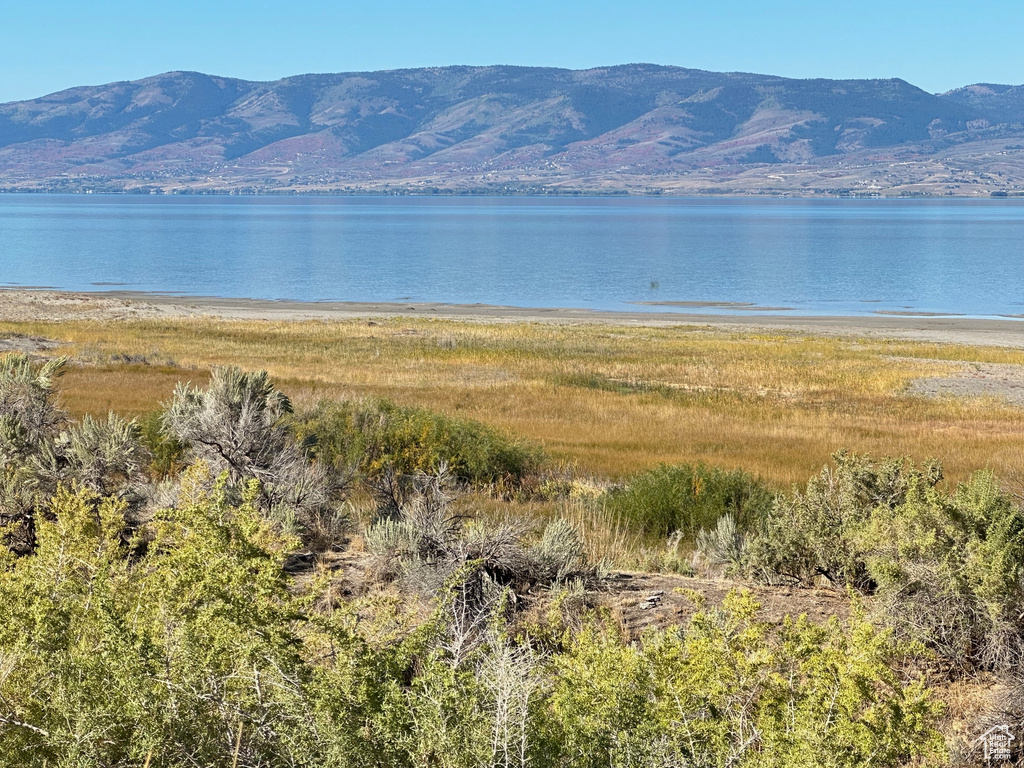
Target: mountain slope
625,128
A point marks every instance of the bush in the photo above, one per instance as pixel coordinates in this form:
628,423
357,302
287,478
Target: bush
199,649
168,453
41,449
947,566
429,541
194,651
240,425
105,456
724,545
236,424
950,570
726,691
690,498
560,553
378,437
30,421
29,414
817,533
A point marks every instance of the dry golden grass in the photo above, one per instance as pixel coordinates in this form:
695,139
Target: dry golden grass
127,389
613,400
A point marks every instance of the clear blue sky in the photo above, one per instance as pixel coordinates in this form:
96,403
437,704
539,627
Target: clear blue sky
47,45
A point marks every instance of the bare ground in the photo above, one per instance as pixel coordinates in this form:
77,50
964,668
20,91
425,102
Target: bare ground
23,305
641,600
48,305
27,344
999,380
644,600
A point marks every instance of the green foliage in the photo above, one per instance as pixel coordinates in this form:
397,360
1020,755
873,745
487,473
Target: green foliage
180,656
725,691
818,532
724,545
28,410
237,423
30,421
690,498
192,646
560,553
947,566
601,694
950,569
178,638
168,453
839,702
40,448
105,456
377,436
240,424
427,542
446,721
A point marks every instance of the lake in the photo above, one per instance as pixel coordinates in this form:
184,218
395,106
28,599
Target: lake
808,257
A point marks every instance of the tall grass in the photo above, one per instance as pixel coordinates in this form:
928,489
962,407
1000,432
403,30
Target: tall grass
607,535
614,400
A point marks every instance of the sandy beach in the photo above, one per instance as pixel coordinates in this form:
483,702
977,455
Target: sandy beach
21,304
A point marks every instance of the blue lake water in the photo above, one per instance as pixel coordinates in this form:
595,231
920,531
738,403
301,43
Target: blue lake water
833,257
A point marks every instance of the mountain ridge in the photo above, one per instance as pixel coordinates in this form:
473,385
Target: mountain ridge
631,128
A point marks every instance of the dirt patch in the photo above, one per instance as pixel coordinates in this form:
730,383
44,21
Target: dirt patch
1001,380
28,345
646,600
639,600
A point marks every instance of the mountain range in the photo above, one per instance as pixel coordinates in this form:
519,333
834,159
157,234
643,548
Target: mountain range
636,129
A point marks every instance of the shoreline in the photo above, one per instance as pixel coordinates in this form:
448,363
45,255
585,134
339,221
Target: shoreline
623,193
24,304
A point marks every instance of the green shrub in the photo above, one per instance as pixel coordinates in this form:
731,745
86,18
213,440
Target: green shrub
377,436
242,424
689,498
817,532
199,649
427,541
950,570
947,566
724,545
192,652
167,452
726,691
29,413
41,449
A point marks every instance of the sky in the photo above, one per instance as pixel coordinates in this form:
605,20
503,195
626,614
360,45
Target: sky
49,45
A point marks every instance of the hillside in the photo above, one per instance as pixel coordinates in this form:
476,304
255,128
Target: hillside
634,128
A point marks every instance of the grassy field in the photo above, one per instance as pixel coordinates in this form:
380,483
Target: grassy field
611,400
